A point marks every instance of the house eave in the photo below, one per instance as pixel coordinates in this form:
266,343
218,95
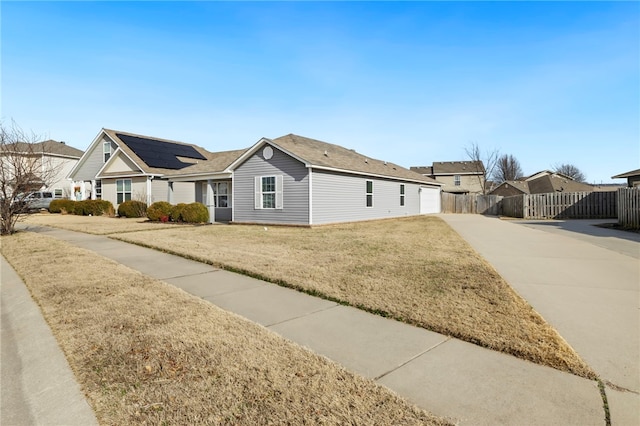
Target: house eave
375,175
200,176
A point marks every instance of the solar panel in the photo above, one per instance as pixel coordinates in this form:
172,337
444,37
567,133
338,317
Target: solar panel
160,154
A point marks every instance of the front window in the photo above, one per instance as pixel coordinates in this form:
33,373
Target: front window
57,193
123,190
402,194
269,192
456,180
369,193
106,150
98,190
220,194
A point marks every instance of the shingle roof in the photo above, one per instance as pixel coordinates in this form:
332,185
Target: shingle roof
423,170
124,143
216,162
557,183
457,167
47,147
517,184
627,174
445,168
326,155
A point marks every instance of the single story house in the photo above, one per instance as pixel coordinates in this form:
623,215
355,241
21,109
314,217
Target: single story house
458,177
290,180
542,182
633,178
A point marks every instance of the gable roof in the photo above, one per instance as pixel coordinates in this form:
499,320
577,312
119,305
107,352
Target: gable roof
326,156
50,147
545,183
520,185
443,168
627,174
156,155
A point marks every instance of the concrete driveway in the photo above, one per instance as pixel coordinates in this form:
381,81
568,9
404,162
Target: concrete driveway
584,280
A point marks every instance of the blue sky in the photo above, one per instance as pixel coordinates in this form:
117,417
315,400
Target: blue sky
409,83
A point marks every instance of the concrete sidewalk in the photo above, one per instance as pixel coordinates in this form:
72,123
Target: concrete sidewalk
584,280
37,385
445,376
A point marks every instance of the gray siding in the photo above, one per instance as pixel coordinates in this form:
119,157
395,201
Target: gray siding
184,192
159,190
295,189
93,162
342,198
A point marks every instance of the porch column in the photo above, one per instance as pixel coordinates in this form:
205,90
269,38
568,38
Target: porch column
93,189
211,201
148,190
83,191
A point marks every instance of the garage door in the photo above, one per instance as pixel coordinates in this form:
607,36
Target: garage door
429,200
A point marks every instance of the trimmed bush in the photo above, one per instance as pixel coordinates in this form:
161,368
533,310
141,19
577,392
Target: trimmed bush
190,213
159,211
97,208
176,212
132,208
83,208
62,206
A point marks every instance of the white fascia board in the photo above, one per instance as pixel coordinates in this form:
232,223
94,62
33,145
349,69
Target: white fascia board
257,146
374,175
87,153
248,154
200,176
111,159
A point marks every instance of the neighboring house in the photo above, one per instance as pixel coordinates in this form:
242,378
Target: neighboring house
120,166
56,158
542,182
633,178
300,181
458,177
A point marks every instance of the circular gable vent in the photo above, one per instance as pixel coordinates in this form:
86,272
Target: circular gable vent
267,153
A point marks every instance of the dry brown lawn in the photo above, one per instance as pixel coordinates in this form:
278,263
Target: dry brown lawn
145,352
97,225
416,269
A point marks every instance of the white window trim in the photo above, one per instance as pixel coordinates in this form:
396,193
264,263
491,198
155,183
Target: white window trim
456,180
217,194
124,191
367,193
258,200
104,151
402,193
98,189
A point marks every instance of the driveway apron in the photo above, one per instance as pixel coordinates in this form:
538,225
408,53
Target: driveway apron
585,281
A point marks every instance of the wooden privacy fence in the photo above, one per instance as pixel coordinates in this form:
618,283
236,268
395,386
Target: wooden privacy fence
553,205
629,207
562,205
471,203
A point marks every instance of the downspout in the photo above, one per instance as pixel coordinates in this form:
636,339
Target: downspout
310,170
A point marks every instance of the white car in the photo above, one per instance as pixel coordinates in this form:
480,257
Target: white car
39,200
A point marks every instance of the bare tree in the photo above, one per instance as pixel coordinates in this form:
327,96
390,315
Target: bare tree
484,163
507,168
570,170
24,168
